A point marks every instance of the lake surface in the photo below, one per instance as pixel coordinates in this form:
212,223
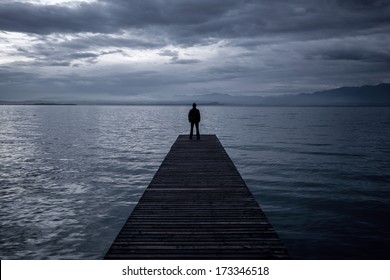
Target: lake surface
71,175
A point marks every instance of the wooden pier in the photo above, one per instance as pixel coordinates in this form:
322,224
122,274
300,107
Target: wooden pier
197,206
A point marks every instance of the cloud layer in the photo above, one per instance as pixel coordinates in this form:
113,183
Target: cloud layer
157,49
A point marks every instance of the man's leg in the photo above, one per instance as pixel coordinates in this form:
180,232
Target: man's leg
197,131
192,130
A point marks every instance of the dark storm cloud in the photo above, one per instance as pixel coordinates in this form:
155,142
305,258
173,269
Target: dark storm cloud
254,46
101,86
169,53
365,49
356,54
185,61
43,55
196,21
45,19
87,41
158,23
108,16
231,71
7,76
55,52
18,85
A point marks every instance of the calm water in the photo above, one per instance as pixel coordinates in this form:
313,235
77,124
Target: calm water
71,175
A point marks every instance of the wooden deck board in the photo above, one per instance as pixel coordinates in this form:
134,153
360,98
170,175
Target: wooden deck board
197,206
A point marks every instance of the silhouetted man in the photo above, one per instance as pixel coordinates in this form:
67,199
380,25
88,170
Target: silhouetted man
194,119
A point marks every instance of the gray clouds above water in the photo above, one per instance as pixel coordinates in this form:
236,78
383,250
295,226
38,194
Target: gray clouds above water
191,47
197,20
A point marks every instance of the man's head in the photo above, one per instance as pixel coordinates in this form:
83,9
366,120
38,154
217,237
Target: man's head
193,105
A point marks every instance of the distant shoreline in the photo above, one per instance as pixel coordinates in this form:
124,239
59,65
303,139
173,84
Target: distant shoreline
200,104
35,104
364,96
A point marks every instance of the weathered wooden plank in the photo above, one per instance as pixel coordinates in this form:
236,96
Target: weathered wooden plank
197,256
197,206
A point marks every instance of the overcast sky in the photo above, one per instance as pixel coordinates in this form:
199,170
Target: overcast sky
158,49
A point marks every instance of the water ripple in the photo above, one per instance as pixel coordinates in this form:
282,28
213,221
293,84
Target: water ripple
71,175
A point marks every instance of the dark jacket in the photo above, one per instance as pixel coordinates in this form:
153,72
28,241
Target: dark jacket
194,115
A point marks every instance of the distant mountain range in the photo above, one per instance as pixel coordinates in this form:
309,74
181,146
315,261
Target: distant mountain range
378,95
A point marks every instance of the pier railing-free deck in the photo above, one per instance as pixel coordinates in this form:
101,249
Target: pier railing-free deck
197,206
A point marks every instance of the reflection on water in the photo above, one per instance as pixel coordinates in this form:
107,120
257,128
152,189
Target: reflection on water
71,175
